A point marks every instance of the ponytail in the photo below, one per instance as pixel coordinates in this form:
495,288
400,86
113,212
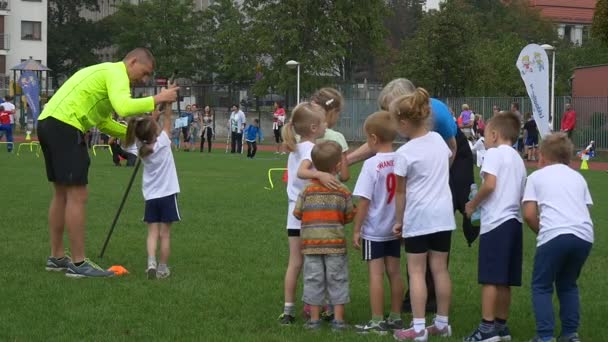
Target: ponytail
415,107
145,150
144,130
289,137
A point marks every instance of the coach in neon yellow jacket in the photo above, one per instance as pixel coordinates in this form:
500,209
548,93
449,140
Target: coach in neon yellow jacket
86,99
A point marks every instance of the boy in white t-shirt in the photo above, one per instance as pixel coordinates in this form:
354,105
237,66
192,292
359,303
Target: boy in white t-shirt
500,240
159,186
565,236
374,222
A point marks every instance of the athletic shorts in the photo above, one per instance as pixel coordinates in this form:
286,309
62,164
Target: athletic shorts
501,255
293,232
162,210
436,242
65,152
532,141
371,250
325,276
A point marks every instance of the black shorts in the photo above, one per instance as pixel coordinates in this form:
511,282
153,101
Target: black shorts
277,135
379,249
293,232
436,242
65,152
501,255
162,210
186,133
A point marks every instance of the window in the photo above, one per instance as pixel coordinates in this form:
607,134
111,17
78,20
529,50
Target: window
30,30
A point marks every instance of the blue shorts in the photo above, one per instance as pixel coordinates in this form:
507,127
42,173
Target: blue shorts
532,141
501,255
380,249
162,210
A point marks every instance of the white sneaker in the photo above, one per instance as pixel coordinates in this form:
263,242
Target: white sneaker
163,274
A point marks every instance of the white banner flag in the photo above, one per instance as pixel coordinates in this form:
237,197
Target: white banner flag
533,66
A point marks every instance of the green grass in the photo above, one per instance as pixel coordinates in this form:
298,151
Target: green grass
228,260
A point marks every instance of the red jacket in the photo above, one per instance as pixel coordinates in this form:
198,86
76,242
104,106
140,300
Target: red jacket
569,120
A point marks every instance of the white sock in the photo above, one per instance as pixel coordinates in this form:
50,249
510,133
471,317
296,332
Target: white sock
419,324
162,268
441,322
152,261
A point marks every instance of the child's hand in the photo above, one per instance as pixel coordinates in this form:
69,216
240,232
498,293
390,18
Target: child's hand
329,180
469,209
357,240
397,229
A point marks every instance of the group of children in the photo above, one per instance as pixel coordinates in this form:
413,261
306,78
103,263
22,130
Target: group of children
404,198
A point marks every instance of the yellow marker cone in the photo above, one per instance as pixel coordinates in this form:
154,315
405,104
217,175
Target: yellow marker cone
27,136
584,165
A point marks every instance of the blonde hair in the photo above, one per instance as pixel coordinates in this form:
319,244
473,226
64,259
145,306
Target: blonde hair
145,130
394,89
332,101
302,117
326,155
557,147
415,108
383,125
507,125
465,107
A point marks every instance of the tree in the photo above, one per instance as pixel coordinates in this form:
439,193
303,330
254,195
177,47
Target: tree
170,30
599,28
72,40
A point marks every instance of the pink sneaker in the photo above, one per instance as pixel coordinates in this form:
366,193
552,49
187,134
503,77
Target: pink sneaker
411,335
434,331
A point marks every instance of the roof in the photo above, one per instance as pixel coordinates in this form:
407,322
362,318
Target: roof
566,11
32,65
592,66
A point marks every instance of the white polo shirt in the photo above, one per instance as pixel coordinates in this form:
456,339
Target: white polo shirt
160,176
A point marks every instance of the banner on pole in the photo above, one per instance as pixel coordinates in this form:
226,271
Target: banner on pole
31,89
533,66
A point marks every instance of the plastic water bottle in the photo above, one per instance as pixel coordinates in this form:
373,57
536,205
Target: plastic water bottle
475,217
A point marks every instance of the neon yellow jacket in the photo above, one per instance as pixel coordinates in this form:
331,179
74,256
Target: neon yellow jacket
88,98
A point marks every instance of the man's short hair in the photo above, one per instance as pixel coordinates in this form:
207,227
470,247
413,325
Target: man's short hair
507,125
383,125
557,147
326,155
143,55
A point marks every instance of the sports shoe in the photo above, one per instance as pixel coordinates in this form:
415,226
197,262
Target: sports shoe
480,336
504,334
87,269
539,339
312,325
285,319
338,326
57,265
379,328
394,324
411,335
162,274
572,338
151,272
434,331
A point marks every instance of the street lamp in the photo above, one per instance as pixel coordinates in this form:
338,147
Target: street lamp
551,48
295,64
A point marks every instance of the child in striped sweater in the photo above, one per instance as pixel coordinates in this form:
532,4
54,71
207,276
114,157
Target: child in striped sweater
324,212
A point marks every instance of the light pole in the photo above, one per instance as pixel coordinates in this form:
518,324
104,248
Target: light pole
551,48
295,64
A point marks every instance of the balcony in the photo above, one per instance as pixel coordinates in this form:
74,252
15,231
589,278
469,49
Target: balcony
5,6
4,42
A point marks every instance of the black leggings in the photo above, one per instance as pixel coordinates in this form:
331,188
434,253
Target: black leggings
208,132
252,148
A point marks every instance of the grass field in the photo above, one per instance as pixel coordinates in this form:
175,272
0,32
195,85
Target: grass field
228,260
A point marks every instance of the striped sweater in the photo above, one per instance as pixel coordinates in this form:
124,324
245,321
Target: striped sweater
323,213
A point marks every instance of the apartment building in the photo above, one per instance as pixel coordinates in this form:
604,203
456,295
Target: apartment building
23,34
572,18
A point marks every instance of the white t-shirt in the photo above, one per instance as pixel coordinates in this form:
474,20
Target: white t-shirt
160,176
480,150
377,183
424,161
9,107
295,185
504,202
237,119
562,197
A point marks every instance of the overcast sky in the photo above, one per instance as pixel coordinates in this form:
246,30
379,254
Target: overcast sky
432,4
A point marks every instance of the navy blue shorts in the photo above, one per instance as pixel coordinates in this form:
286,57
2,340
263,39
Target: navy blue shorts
379,249
532,141
162,210
501,255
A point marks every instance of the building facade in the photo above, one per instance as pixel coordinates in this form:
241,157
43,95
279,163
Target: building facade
23,33
572,18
